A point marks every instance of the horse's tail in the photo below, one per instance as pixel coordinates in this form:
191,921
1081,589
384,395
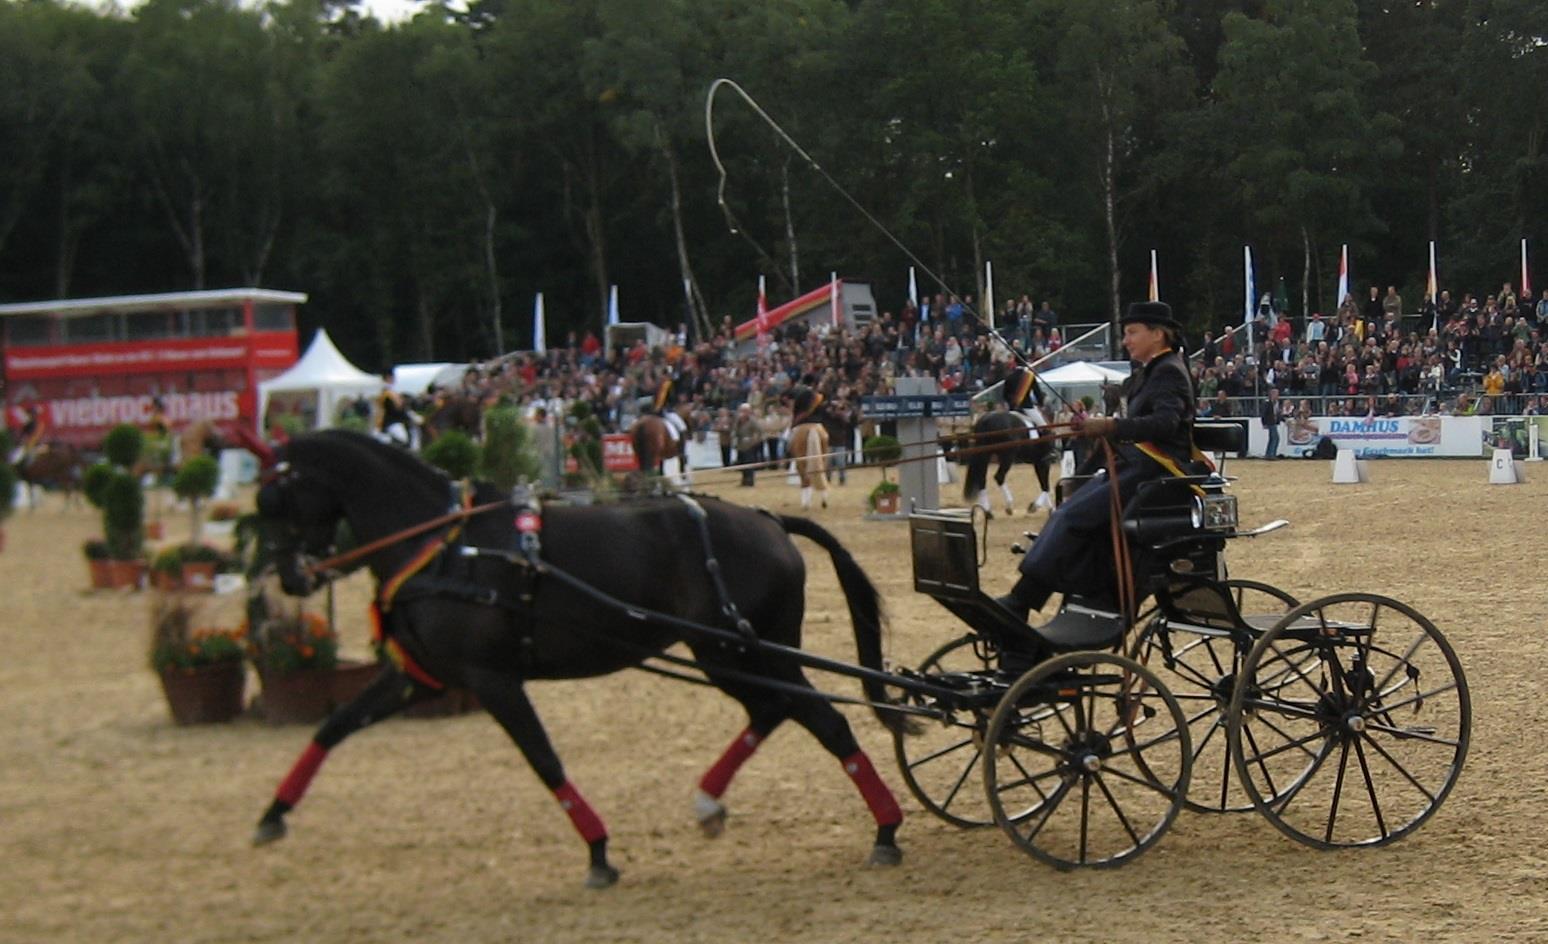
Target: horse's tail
977,471
639,437
864,611
816,459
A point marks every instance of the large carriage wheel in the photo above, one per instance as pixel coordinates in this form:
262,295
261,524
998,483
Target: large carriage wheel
1359,704
1104,777
941,764
1200,666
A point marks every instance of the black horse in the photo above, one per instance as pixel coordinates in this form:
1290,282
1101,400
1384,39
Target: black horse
990,430
486,624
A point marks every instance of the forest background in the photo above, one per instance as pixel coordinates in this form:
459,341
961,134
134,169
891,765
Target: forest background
422,180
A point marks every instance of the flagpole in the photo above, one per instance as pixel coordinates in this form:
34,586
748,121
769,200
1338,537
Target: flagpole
1249,287
1434,287
539,329
989,293
1526,273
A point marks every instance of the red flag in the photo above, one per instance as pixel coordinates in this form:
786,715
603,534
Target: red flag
1526,273
763,315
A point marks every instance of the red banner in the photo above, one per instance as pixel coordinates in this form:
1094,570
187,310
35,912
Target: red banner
134,357
618,453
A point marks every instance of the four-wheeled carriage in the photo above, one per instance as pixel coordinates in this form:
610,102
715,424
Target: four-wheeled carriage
1345,720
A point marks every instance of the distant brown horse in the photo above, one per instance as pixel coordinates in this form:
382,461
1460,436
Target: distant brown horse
456,411
655,441
58,467
809,450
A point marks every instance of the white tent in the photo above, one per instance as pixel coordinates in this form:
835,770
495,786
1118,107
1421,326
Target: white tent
316,383
1073,380
412,380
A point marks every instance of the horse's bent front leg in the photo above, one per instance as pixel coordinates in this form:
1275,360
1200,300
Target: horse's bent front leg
502,696
387,694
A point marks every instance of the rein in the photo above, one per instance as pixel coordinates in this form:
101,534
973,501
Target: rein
397,537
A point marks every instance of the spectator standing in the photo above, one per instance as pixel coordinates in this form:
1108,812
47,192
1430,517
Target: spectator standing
748,433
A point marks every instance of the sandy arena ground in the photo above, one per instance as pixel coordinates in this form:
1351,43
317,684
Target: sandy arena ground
117,826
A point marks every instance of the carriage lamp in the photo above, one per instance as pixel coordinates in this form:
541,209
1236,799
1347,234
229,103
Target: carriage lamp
1216,513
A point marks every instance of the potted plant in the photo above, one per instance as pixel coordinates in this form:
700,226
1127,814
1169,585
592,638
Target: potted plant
886,450
166,569
509,455
453,453
113,488
297,656
221,517
7,492
885,497
194,482
197,566
201,669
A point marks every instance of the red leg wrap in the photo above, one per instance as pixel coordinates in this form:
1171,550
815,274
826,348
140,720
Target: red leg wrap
883,806
584,818
718,777
295,783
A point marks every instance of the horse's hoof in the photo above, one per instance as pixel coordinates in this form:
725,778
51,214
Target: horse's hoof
269,830
714,824
885,857
601,876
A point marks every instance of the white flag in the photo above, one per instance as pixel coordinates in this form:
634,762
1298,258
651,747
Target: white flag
1249,303
989,293
612,305
539,340
833,294
913,288
1343,275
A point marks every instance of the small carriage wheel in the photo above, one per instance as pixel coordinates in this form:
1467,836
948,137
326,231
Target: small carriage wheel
1093,802
1359,704
940,763
1201,668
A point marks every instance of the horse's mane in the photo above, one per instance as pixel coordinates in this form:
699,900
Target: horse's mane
349,459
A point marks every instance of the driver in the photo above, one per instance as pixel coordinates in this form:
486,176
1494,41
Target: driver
1073,554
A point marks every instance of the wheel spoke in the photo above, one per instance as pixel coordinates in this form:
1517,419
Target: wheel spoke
1285,734
1108,794
1085,814
1294,710
1370,789
1407,659
961,779
1397,766
1281,801
1407,735
1049,809
1030,780
940,753
1147,783
1268,778
1338,789
1295,669
1280,749
1420,696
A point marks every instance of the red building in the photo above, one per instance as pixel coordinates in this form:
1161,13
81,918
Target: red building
92,363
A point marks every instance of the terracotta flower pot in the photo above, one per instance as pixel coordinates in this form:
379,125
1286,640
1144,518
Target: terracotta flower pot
310,695
154,531
100,576
165,580
199,576
205,695
124,574
887,504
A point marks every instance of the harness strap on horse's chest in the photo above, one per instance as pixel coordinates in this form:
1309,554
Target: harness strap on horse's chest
397,654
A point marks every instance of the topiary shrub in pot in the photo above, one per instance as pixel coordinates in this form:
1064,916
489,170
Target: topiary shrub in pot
195,482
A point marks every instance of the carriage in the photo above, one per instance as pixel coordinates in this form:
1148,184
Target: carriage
1343,720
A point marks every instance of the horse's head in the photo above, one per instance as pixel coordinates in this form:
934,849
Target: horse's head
298,523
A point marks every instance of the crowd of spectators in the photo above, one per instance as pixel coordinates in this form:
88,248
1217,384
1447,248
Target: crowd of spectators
1371,358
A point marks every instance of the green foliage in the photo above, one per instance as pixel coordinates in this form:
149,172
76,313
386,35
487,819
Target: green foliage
390,168
8,480
177,645
197,478
123,516
881,448
884,487
509,455
123,445
168,561
94,481
453,453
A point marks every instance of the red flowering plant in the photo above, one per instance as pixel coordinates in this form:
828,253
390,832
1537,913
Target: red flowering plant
177,645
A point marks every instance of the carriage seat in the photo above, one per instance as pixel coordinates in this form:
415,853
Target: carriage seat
1082,624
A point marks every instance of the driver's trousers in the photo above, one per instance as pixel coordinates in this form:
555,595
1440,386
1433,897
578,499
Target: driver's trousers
1073,554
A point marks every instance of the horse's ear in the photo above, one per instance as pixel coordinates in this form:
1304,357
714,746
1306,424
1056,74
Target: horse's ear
249,440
